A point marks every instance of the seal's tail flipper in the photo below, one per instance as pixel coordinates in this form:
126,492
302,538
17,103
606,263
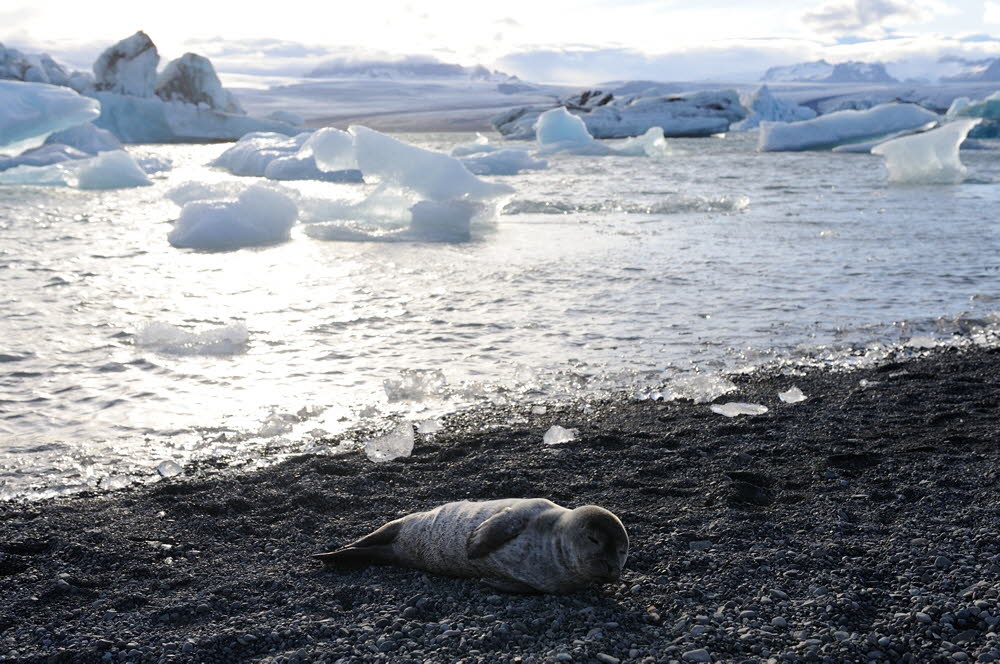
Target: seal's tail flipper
372,549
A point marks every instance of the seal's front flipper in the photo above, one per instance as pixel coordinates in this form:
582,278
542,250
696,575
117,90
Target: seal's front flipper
496,531
372,549
510,586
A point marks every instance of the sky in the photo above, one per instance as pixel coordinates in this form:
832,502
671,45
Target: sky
553,41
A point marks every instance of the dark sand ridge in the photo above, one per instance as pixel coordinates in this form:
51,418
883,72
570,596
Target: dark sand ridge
859,525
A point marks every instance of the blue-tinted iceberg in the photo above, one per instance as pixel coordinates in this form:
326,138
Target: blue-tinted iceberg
260,215
31,111
988,110
434,193
833,129
278,157
503,162
109,170
559,131
928,158
763,105
86,138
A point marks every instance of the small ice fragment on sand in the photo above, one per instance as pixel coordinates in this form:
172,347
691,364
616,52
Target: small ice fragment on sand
699,388
734,408
539,410
557,435
277,424
428,426
169,469
393,445
922,343
792,395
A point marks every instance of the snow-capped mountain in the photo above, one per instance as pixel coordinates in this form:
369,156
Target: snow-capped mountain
822,71
975,72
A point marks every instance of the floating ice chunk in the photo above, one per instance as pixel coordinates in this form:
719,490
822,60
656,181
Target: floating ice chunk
187,192
928,158
111,170
415,385
503,162
557,435
277,424
650,144
448,221
922,343
108,170
479,146
166,338
699,388
261,215
45,155
295,167
432,175
333,150
393,445
957,105
287,117
86,138
31,111
252,154
169,469
558,130
734,408
792,395
152,164
841,127
866,146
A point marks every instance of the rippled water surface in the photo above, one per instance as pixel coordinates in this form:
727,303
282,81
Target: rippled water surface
118,352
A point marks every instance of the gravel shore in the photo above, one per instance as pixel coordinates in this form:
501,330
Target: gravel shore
860,525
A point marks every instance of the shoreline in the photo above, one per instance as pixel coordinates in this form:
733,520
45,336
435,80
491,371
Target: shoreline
858,525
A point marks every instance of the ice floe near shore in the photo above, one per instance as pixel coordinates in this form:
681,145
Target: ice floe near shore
928,158
828,131
605,116
115,169
559,131
765,106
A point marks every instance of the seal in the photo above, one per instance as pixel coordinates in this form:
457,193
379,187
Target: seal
513,544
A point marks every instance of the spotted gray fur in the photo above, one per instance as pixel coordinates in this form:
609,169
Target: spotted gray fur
519,545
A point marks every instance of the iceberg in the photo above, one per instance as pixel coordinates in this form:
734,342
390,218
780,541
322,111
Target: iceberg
191,78
866,146
31,111
128,67
46,155
558,130
763,105
833,129
332,149
503,162
393,445
108,170
260,215
86,138
928,158
479,146
278,157
988,110
695,114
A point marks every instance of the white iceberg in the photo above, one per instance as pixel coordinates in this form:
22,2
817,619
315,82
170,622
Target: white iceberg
792,395
128,67
45,155
31,111
764,106
278,157
86,138
393,445
333,149
260,215
558,130
650,144
735,408
605,116
109,170
865,147
481,145
503,162
828,131
191,78
557,435
928,158
988,110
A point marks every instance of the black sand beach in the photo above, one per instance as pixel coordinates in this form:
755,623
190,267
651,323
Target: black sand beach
860,525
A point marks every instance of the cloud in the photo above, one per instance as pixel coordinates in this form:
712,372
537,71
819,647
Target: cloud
991,12
868,17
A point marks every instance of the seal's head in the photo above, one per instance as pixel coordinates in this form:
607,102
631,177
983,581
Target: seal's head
596,542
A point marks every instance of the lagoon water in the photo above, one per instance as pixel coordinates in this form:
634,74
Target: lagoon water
603,274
